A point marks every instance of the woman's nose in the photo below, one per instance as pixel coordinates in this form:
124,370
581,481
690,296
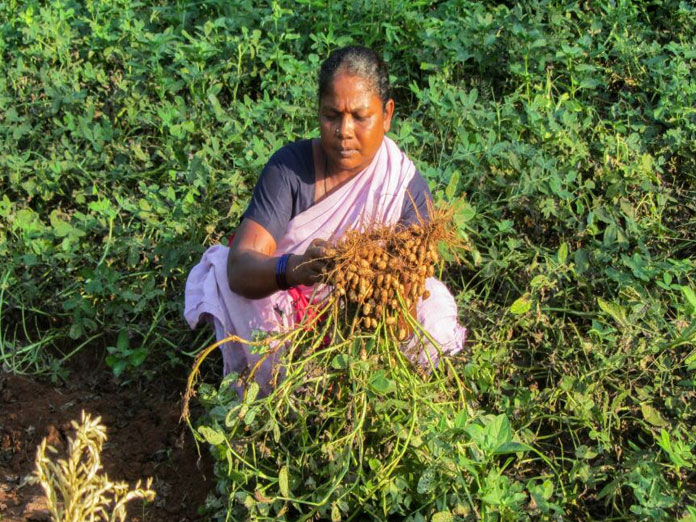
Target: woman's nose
345,127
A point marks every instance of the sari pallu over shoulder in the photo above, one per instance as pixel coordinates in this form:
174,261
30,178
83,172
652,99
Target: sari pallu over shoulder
373,196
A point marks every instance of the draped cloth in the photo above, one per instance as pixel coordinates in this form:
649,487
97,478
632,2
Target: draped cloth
375,195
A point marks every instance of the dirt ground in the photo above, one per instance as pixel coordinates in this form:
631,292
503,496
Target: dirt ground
145,439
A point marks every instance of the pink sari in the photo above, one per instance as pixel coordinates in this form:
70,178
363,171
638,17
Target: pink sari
375,195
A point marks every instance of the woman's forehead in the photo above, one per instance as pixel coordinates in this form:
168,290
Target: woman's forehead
349,89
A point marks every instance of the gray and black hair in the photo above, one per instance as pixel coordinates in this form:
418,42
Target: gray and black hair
359,61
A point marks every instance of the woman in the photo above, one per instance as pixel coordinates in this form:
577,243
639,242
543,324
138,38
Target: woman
309,192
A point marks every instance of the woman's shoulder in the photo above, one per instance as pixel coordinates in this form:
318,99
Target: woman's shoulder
294,156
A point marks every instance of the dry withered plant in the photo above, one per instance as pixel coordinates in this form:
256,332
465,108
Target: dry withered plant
76,488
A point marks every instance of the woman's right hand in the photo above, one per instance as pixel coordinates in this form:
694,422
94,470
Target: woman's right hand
308,268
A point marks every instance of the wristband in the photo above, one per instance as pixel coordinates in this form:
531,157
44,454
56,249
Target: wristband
280,269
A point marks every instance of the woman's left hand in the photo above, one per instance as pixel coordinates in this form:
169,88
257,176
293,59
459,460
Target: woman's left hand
308,268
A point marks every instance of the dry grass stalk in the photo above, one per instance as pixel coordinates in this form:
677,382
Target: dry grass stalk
76,489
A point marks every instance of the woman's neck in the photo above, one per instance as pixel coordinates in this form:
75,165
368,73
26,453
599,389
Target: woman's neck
326,178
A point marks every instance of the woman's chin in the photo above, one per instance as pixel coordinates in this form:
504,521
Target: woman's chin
351,163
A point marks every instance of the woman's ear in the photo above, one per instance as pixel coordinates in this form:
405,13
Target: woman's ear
388,113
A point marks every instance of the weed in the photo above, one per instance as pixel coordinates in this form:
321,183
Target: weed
76,488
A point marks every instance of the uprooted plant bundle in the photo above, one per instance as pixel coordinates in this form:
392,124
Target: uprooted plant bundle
351,428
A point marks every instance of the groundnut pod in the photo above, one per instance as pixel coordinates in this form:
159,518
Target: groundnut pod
382,265
431,270
363,284
391,320
366,309
380,280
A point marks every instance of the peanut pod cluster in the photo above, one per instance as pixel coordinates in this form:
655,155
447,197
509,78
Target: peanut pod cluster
380,274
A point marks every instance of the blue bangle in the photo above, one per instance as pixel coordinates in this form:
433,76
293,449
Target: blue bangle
280,269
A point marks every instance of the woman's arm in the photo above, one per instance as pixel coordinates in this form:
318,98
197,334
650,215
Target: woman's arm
251,263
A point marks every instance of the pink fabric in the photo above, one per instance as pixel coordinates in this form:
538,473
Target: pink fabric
375,195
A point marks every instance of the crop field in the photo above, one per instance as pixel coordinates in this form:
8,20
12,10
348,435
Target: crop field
562,136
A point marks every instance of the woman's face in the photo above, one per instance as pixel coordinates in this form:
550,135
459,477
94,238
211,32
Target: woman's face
352,121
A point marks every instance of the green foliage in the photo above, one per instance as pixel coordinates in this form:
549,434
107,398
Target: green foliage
131,134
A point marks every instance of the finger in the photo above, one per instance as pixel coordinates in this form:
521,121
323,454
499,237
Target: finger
315,253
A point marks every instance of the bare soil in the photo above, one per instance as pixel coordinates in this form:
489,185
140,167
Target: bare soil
145,439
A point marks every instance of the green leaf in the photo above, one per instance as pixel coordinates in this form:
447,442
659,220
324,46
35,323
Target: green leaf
335,513
510,447
615,311
451,189
499,430
212,436
250,416
380,384
582,261
690,297
117,364
137,357
562,254
340,361
585,452
283,482
465,212
521,306
460,419
251,393
122,342
426,482
652,416
76,331
60,228
442,516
